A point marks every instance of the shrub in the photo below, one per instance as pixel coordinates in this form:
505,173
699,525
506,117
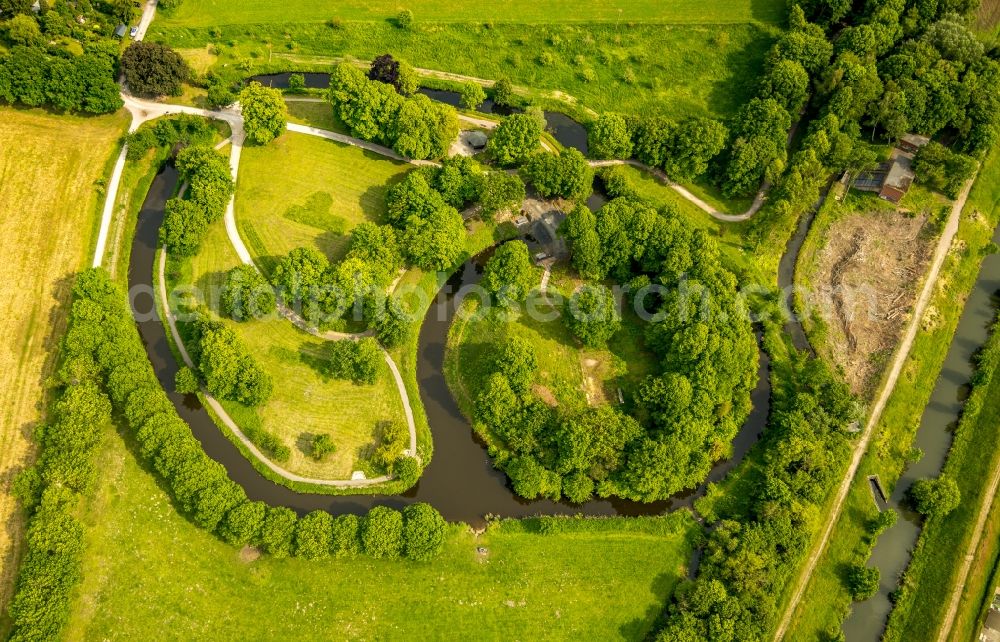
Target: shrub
862,581
423,532
503,93
247,295
404,19
392,326
296,83
186,381
357,361
472,95
382,532
322,446
934,497
394,440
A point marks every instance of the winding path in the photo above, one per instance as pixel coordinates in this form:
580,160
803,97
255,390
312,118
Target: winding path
902,352
758,200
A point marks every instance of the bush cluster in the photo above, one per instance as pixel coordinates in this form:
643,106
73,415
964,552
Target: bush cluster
357,361
413,126
86,83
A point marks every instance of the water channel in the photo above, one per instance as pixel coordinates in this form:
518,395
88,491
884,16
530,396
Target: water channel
459,481
564,129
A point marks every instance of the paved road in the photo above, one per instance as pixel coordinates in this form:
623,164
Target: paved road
902,352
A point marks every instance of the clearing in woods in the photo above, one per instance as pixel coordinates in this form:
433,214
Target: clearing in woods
49,168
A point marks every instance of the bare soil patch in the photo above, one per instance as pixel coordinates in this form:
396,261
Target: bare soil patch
866,277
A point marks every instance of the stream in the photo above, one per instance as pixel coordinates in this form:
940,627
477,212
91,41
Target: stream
460,480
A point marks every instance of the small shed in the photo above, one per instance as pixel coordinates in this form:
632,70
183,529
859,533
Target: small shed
898,180
911,143
477,139
120,31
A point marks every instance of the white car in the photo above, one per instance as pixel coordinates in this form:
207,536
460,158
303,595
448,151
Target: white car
133,32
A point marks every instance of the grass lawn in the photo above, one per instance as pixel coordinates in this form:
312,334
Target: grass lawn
149,573
314,114
208,13
50,203
826,600
634,68
304,190
305,401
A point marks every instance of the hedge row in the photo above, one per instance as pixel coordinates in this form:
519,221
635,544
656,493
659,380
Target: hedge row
102,350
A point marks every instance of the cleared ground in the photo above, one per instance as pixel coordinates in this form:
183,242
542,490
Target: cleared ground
863,279
606,580
305,402
307,191
48,210
209,13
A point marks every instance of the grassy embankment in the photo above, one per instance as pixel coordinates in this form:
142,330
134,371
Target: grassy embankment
641,57
827,601
51,171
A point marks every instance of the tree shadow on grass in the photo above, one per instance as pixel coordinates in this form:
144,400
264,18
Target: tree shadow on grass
638,628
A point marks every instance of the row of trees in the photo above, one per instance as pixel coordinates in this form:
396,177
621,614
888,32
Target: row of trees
682,149
83,83
753,551
102,350
413,126
210,186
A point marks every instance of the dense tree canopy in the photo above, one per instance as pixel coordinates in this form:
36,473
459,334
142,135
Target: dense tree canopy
515,138
509,274
264,113
152,69
566,174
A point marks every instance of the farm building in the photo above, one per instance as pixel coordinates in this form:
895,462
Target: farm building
893,178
